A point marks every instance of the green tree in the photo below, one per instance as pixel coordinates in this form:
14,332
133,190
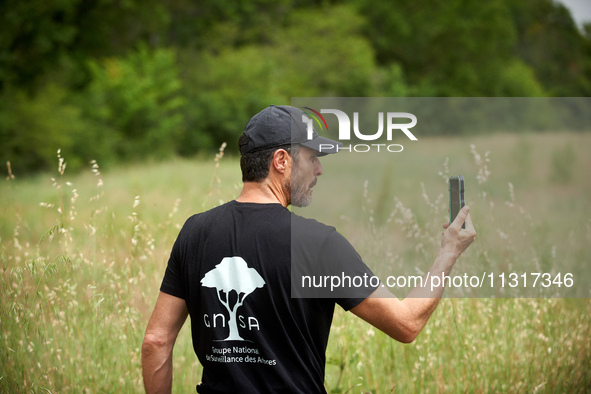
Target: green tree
552,45
451,48
56,37
226,87
137,102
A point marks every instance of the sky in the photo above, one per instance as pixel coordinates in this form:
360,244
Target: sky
580,10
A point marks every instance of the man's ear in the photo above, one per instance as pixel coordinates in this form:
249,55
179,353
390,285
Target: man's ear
281,161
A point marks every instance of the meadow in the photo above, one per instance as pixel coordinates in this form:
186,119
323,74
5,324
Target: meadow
82,256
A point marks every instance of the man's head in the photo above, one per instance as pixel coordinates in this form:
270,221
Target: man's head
283,130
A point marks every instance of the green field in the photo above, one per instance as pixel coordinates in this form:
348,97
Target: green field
83,255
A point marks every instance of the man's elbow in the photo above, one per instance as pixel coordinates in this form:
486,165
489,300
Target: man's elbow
407,333
153,343
408,338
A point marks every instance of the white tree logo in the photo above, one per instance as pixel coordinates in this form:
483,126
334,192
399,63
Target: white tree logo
233,274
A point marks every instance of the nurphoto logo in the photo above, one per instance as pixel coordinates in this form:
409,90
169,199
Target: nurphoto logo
344,122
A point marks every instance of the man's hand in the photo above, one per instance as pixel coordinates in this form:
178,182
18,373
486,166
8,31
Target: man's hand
456,239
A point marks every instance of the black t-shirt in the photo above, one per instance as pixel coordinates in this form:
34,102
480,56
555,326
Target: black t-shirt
233,267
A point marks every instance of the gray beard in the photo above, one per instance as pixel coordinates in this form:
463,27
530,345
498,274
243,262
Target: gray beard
299,196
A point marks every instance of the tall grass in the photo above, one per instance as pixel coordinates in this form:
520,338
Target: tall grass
527,220
79,276
82,257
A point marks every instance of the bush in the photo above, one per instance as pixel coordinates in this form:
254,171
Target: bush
137,103
33,128
226,87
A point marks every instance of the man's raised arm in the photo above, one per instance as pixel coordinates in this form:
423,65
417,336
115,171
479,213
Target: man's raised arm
404,319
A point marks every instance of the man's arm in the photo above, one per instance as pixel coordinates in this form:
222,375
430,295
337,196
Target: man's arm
167,319
404,320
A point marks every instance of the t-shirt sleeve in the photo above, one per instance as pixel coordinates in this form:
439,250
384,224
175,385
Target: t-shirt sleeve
350,279
172,283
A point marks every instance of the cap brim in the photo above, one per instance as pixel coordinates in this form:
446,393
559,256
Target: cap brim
323,146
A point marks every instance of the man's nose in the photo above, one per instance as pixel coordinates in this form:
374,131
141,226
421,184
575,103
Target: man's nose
318,169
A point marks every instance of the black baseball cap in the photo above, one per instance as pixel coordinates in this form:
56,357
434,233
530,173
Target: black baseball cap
279,125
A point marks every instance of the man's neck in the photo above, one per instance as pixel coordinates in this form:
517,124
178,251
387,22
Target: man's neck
262,193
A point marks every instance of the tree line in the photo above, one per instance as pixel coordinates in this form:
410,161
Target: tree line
116,80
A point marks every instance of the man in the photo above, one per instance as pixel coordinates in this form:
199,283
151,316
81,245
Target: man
231,270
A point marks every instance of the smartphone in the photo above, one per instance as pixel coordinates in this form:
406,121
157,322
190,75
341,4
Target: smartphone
456,196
